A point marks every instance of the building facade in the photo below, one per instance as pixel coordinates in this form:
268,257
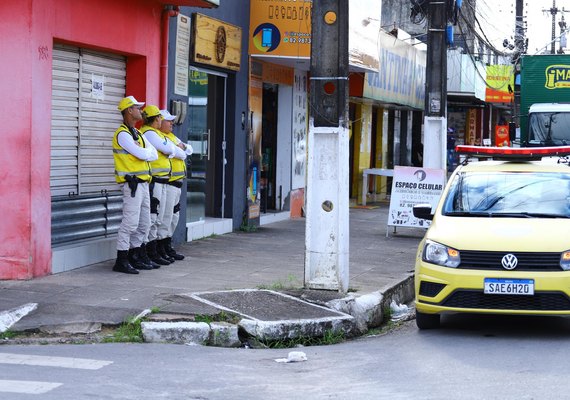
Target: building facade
70,64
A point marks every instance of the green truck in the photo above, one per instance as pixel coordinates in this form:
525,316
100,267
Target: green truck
545,100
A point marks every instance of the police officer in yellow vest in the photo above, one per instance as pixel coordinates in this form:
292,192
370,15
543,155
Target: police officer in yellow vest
161,170
174,189
132,154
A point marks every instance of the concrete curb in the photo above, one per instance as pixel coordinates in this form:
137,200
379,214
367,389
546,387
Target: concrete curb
368,310
363,313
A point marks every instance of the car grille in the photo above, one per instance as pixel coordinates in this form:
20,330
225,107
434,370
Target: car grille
430,289
540,301
491,260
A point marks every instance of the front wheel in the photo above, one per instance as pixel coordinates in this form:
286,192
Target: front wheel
427,321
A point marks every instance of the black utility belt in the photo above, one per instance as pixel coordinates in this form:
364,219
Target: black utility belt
164,181
177,183
134,178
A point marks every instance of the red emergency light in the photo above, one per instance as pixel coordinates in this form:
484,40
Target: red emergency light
520,153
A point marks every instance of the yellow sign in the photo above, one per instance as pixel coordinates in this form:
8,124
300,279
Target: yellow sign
557,76
280,28
500,84
216,43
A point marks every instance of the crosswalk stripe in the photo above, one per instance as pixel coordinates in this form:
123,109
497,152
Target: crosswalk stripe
47,361
27,387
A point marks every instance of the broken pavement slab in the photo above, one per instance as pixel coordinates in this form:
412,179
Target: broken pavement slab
269,315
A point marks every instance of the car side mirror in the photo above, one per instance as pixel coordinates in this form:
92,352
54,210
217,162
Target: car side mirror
423,211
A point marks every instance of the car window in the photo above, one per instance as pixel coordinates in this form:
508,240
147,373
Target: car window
509,193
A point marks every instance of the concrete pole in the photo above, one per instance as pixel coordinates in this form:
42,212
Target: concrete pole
327,196
435,123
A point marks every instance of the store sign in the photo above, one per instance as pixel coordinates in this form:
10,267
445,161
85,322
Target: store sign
401,74
500,84
280,28
472,127
182,55
412,186
216,43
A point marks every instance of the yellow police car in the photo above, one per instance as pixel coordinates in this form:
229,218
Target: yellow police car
499,240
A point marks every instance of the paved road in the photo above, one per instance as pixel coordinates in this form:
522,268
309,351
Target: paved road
471,358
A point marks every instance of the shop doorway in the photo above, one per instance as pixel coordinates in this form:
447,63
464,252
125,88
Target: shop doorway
206,133
269,124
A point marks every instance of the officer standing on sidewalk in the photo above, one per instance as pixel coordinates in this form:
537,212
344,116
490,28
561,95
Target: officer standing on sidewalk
160,170
174,189
132,154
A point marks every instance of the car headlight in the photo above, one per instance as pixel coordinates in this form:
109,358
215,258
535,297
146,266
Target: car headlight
565,261
439,254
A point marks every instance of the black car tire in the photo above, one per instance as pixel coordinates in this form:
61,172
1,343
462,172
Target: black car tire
427,321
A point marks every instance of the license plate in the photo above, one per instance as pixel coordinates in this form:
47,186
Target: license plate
524,287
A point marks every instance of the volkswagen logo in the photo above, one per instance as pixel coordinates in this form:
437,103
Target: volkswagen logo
509,261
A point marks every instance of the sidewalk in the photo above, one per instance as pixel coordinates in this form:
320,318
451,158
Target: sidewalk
270,258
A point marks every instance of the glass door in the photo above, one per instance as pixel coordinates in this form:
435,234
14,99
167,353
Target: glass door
206,134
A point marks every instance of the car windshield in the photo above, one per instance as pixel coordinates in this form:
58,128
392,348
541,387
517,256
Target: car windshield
549,128
509,194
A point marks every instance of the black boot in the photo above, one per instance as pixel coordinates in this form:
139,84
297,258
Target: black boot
151,251
170,251
160,248
145,258
135,259
122,263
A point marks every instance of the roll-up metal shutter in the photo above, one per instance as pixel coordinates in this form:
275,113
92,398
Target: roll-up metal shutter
99,119
64,121
86,88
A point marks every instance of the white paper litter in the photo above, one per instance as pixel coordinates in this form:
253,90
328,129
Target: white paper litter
293,356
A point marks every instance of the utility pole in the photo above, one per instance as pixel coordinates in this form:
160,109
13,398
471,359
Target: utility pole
327,197
520,49
562,25
554,11
435,124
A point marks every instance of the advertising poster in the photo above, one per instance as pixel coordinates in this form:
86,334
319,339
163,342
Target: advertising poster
254,150
500,84
181,55
412,186
300,129
280,28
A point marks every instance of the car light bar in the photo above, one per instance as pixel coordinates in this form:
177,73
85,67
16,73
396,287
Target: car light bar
528,153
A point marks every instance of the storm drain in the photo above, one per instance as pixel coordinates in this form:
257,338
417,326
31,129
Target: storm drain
270,315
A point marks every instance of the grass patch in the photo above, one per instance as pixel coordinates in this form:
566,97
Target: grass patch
329,337
292,282
129,331
248,228
222,316
245,226
8,335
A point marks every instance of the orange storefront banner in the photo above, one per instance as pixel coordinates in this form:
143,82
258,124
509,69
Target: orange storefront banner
280,28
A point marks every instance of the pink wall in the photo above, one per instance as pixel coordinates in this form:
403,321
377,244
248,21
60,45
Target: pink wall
27,33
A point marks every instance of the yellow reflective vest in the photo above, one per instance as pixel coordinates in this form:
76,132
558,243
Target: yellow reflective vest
162,166
125,162
178,165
